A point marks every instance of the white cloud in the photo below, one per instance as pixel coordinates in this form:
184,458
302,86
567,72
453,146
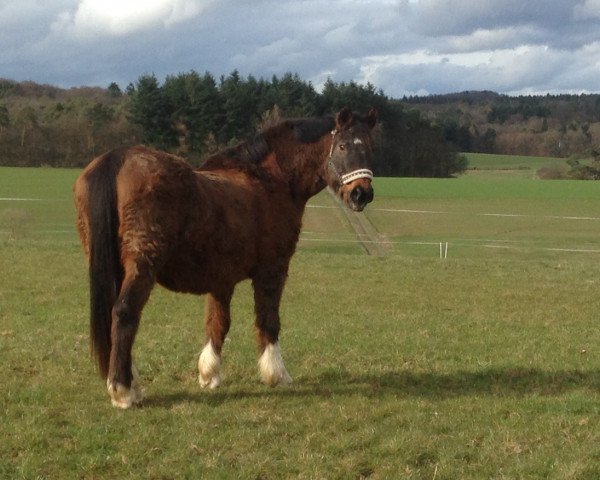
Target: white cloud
504,70
121,17
401,46
589,9
490,39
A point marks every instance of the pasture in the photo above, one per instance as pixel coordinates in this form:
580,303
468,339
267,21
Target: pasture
485,164
481,365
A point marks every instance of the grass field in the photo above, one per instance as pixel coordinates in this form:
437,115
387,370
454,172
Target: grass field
484,365
484,164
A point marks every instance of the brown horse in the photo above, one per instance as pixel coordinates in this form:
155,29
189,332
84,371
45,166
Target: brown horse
146,217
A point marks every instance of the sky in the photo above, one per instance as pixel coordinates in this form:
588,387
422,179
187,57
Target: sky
404,47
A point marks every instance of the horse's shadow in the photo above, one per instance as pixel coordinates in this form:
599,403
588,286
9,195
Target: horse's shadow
500,382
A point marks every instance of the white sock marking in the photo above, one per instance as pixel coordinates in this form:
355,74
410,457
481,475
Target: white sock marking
209,366
123,397
272,369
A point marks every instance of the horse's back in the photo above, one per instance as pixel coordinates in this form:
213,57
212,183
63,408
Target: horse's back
139,171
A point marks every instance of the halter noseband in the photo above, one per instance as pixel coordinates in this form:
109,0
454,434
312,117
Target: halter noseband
347,178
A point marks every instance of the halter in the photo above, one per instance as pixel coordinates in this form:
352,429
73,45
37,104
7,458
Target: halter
346,178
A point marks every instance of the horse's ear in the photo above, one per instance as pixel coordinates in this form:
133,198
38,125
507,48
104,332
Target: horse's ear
343,118
372,117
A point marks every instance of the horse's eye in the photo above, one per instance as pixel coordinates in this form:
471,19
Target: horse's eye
342,147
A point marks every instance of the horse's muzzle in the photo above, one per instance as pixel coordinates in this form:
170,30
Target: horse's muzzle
360,196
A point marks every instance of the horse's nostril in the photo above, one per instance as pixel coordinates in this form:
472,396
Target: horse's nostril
360,196
357,195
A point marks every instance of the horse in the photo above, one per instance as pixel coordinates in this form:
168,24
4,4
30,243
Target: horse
146,217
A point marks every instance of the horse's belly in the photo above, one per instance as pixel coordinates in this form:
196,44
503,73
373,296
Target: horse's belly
203,271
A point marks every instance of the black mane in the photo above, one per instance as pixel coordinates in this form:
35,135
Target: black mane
245,155
309,130
248,154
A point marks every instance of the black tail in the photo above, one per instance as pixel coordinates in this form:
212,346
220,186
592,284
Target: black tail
106,271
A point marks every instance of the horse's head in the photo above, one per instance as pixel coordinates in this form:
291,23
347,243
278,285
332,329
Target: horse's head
349,163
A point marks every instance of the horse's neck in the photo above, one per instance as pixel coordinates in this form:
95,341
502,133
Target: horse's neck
304,166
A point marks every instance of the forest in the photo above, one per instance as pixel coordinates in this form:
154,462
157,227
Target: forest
564,125
194,114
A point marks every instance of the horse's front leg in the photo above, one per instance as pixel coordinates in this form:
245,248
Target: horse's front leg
267,296
217,320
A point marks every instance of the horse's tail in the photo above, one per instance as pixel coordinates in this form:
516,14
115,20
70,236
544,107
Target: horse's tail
105,268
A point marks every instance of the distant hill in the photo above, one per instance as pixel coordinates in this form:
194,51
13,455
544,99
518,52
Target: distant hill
47,125
545,125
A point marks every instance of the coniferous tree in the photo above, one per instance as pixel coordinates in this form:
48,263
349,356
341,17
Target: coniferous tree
114,91
150,110
239,106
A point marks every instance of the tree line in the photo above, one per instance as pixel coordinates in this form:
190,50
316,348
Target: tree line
42,125
194,114
544,125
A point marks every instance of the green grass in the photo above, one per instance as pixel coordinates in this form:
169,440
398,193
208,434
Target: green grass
497,217
485,164
405,366
43,205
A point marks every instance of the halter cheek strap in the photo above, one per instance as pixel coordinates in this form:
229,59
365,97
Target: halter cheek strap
351,176
333,134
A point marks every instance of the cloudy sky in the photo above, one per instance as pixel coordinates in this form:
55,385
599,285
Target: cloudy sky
402,46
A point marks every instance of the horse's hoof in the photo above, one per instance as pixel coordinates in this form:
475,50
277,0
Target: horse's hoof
123,397
282,378
209,365
210,382
272,369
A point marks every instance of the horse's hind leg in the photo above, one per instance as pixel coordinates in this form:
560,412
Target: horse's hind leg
267,296
122,382
217,320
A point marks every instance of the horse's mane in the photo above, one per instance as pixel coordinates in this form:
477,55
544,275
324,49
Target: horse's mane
248,155
310,130
244,156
